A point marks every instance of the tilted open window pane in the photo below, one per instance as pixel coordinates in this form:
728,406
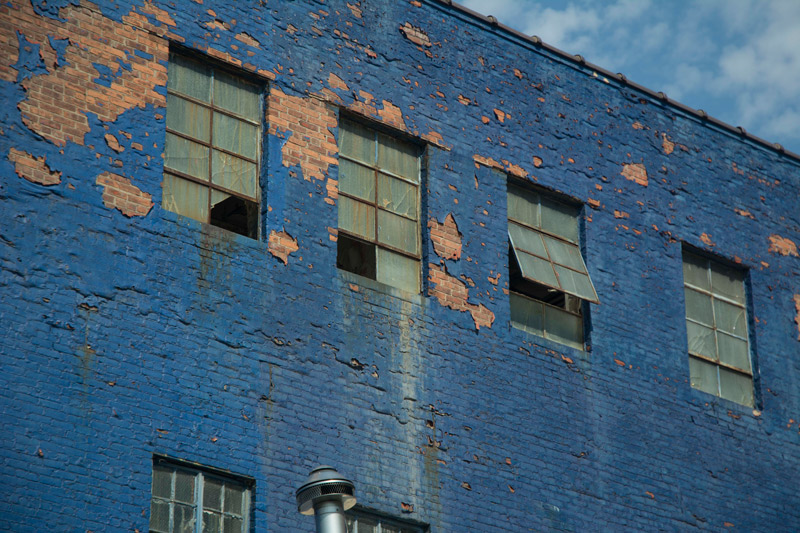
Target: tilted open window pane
379,206
207,107
716,327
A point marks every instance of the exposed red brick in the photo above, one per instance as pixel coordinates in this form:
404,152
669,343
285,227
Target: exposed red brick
636,173
335,82
797,316
666,144
706,238
621,214
248,39
595,204
500,114
415,35
446,238
537,161
782,245
453,293
281,245
744,213
637,125
518,73
464,100
355,9
119,193
392,115
33,169
113,143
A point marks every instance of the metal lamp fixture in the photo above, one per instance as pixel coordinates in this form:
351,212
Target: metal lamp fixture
326,495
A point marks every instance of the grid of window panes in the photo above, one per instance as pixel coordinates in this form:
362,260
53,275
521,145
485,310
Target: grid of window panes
363,522
192,501
716,328
379,235
212,151
549,277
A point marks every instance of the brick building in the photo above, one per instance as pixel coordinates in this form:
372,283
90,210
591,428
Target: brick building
499,288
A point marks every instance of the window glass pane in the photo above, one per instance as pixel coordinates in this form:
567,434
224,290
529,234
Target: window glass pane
576,284
398,157
357,142
730,318
560,219
357,218
386,528
527,314
236,136
736,387
733,351
563,327
350,524
357,180
236,95
234,173
695,271
185,198
397,231
727,282
564,253
523,206
212,494
398,271
701,340
189,77
211,522
367,525
162,482
184,519
698,307
184,486
536,269
704,376
233,499
233,525
159,516
526,239
190,119
397,196
186,156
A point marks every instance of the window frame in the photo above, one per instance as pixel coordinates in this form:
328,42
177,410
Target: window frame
260,87
380,519
378,131
717,361
200,474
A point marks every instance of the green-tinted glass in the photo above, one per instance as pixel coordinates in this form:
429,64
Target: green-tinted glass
560,219
189,77
576,283
188,118
357,217
527,314
736,387
398,271
235,136
698,307
234,173
564,253
701,340
357,142
730,318
536,269
397,196
563,327
398,157
733,351
186,156
357,180
727,282
523,206
185,198
236,95
397,232
695,271
526,239
703,376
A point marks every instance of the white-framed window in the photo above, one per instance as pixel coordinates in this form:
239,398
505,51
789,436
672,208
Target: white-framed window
379,206
195,500
548,277
363,521
716,329
212,148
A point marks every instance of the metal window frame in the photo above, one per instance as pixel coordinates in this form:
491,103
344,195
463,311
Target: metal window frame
381,520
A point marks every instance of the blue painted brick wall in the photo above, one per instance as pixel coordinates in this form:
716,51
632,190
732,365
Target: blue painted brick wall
128,336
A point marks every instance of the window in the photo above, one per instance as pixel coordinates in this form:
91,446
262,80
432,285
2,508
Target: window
379,235
716,328
188,500
361,521
212,151
548,278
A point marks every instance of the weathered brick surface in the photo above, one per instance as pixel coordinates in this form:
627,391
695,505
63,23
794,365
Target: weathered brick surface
125,336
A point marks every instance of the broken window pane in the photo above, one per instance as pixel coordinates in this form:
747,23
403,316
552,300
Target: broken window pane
397,270
357,142
189,77
735,386
235,136
188,118
356,180
559,219
398,157
183,518
397,232
234,214
185,197
701,340
186,156
703,376
234,173
356,256
397,196
357,217
236,95
698,307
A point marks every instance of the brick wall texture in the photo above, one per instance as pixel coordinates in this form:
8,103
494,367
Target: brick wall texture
129,331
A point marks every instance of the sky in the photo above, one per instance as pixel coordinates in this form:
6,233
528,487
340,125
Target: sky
739,60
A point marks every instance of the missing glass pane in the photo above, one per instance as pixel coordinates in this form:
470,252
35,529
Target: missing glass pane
356,256
234,214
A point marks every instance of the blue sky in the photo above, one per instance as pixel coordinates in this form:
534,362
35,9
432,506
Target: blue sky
739,60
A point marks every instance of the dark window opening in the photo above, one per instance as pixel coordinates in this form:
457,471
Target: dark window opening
237,215
356,256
